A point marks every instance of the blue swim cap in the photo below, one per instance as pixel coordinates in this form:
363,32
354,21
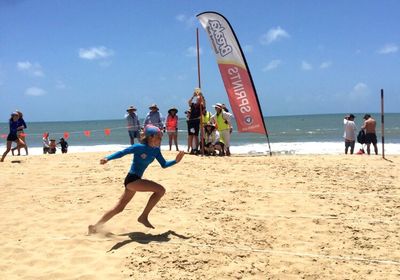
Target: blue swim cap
151,130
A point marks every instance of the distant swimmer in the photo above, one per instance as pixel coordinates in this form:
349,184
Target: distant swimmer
143,154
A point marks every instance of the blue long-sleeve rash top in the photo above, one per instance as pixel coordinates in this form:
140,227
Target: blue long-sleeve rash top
143,155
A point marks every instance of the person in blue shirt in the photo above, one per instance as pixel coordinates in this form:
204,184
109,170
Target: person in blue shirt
143,154
15,125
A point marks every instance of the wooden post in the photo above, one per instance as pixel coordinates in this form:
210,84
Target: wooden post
202,99
382,124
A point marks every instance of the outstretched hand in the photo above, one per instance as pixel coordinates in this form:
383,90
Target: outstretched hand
179,156
103,161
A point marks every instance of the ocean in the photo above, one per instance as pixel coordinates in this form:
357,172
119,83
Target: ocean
303,134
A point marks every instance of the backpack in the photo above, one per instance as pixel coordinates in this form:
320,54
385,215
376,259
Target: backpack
361,137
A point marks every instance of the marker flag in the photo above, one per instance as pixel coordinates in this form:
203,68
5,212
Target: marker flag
107,131
66,135
235,73
87,133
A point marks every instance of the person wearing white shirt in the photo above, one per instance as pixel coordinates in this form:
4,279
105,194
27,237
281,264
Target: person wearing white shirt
349,133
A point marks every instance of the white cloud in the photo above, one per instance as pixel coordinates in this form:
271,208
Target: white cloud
274,34
189,21
388,48
272,65
325,64
95,53
34,69
359,92
60,85
306,66
192,51
35,91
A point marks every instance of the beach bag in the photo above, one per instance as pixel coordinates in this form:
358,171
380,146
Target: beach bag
361,137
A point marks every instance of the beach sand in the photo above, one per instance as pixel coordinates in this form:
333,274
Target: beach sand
280,217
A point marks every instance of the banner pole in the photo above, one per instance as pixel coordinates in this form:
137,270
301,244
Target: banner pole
202,99
382,124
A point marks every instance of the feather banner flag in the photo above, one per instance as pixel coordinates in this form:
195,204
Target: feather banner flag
235,73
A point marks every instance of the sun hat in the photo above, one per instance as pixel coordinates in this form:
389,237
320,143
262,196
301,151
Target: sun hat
218,105
14,114
153,106
197,90
352,116
151,130
173,109
131,108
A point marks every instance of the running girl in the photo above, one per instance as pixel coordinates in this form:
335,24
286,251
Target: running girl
143,155
15,125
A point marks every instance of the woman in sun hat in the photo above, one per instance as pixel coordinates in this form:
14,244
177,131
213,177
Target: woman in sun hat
222,119
171,125
14,124
133,124
143,154
154,117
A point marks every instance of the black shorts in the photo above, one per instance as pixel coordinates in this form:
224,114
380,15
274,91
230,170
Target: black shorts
131,178
194,127
370,138
12,137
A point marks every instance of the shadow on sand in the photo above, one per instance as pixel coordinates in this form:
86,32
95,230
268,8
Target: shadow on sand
146,238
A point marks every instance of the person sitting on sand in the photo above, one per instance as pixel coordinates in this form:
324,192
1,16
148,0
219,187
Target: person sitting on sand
212,141
52,146
143,154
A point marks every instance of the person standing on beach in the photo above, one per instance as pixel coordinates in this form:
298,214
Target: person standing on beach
349,133
171,124
14,124
133,124
370,133
222,120
21,134
143,155
197,105
154,117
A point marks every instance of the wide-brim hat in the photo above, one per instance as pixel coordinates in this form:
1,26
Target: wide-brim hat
218,105
131,108
210,124
172,109
153,106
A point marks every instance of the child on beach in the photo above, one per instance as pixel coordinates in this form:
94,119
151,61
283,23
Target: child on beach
143,154
172,127
52,146
15,124
64,145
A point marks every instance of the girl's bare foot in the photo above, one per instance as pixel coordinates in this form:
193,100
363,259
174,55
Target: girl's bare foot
144,220
92,229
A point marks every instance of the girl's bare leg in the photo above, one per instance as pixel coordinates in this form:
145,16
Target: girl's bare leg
7,151
170,141
175,137
147,186
123,201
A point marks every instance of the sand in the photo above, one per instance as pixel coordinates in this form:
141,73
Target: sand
282,217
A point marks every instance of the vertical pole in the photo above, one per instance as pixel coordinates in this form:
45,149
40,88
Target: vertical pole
202,99
382,125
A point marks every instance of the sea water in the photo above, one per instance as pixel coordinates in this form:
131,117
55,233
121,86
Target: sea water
303,134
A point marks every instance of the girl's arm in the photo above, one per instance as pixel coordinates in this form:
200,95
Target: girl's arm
119,154
169,163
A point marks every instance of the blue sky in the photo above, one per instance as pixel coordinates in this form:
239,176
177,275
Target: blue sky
82,60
